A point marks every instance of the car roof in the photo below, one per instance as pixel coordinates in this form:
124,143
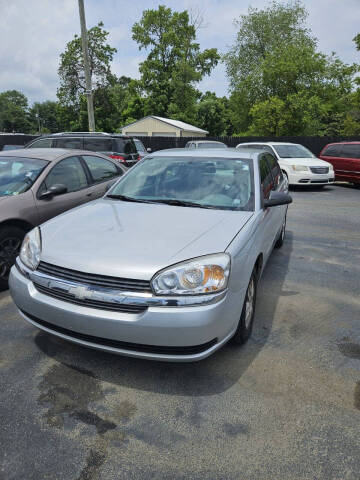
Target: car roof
49,154
208,152
344,143
205,141
268,143
82,135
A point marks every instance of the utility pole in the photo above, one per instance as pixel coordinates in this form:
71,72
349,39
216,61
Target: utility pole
89,95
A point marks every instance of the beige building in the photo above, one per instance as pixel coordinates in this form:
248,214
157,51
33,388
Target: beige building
152,126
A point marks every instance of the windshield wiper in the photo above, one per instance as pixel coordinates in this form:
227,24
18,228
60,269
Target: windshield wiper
125,198
182,203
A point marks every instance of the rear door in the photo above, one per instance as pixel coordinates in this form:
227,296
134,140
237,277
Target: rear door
101,173
333,155
350,162
71,173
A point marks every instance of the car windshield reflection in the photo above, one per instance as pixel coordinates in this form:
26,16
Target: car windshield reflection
221,183
18,174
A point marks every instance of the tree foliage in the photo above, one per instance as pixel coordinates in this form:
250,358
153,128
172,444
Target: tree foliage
174,65
14,112
275,69
71,69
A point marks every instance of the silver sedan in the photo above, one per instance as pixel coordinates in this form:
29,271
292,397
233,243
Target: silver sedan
166,265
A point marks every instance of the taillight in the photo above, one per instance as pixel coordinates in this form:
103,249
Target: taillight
118,157
138,157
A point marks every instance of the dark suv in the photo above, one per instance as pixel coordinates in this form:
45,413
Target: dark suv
116,146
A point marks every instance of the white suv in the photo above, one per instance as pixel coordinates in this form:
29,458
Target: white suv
300,166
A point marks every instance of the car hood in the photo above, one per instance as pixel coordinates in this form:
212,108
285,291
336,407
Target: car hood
135,240
309,162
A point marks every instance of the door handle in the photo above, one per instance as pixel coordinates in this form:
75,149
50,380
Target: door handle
89,194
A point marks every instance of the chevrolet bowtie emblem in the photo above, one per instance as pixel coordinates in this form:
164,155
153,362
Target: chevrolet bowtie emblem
80,292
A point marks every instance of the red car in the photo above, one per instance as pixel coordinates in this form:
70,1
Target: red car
345,158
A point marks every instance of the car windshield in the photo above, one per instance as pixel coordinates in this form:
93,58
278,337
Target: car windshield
212,145
219,183
293,151
18,174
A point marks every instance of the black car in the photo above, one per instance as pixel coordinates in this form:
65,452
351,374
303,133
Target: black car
116,146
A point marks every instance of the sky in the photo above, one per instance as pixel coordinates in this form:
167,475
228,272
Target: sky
34,33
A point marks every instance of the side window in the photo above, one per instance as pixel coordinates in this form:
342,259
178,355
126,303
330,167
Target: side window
98,144
101,169
42,143
275,170
333,151
68,172
351,150
265,177
139,145
69,143
125,145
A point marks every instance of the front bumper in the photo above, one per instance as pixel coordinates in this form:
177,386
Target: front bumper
161,332
309,178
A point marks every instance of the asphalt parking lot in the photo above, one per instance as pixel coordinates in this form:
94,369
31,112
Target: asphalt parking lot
285,406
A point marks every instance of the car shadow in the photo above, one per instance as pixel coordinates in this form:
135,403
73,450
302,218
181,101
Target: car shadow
213,375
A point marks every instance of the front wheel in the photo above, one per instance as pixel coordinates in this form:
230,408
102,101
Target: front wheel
10,243
280,241
246,321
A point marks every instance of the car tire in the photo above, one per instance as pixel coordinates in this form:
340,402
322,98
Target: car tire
10,243
244,329
280,241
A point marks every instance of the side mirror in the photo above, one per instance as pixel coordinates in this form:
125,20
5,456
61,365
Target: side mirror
149,150
276,199
57,189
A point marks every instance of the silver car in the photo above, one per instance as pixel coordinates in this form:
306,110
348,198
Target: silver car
166,265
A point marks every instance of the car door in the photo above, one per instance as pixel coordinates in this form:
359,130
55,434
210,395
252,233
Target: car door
333,155
350,162
70,173
270,217
101,174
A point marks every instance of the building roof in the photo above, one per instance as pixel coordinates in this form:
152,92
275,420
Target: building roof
175,123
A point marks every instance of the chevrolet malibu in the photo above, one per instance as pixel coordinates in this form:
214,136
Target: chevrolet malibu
166,265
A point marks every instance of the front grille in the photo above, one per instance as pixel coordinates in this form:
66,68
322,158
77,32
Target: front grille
135,347
319,169
68,297
127,284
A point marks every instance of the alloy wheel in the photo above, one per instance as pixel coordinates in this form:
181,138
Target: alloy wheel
9,250
249,303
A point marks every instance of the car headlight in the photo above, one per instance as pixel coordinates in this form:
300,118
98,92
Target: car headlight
208,274
331,168
300,168
31,249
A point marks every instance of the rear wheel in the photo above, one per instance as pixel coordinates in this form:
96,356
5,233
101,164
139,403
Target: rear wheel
10,243
246,321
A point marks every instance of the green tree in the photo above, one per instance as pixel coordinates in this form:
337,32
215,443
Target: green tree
212,114
71,69
174,65
274,67
44,117
14,112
